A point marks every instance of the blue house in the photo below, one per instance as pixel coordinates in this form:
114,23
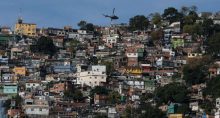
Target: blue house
171,109
62,69
10,89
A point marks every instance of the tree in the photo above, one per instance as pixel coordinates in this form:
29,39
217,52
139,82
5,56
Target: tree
194,29
214,44
100,116
196,71
156,18
173,92
139,22
76,95
171,14
109,66
98,90
184,10
157,35
18,101
89,27
207,27
114,97
207,105
190,18
73,46
151,112
193,8
128,112
183,108
213,88
44,45
82,24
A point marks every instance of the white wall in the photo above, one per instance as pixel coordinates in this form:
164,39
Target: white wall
92,77
36,110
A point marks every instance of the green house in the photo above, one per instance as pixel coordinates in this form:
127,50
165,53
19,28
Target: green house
177,42
4,39
140,52
10,89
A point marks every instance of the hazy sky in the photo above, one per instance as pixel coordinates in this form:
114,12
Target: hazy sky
58,13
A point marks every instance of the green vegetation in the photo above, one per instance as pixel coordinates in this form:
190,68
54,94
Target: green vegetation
73,46
171,14
109,66
114,97
44,45
145,111
174,92
86,26
156,18
76,95
139,22
213,88
17,99
98,115
157,35
195,29
214,44
196,71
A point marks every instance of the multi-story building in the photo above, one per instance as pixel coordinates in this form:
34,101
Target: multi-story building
91,75
10,88
28,29
38,107
20,71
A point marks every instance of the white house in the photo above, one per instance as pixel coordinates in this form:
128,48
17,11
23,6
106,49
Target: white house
111,40
193,55
92,76
31,85
136,84
38,107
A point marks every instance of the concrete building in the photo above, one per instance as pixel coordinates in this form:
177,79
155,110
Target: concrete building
10,88
28,29
92,75
39,107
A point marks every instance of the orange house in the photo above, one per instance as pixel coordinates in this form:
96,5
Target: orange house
20,71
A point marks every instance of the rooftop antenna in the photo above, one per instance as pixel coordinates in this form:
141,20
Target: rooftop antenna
20,16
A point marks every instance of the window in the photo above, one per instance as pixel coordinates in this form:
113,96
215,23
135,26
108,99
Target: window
32,109
40,109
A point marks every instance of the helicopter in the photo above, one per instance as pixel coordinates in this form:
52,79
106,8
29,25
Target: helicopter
113,16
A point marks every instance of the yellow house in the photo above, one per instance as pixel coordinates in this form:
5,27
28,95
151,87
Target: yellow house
134,70
176,116
27,29
19,71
